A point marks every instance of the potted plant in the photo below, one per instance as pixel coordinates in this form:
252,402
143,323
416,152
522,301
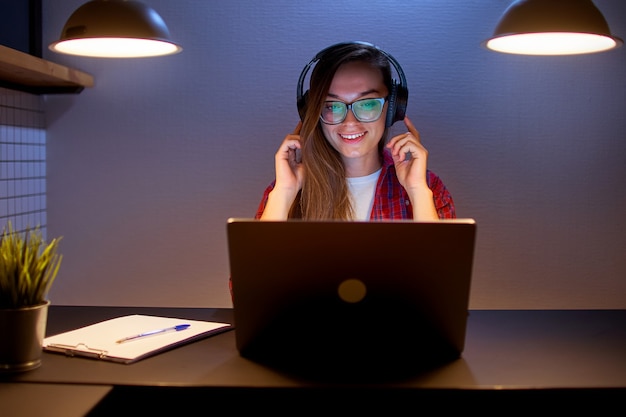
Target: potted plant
28,267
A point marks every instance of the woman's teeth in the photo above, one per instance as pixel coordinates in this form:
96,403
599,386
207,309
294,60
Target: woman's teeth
352,137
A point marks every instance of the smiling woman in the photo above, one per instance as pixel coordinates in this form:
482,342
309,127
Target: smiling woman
348,169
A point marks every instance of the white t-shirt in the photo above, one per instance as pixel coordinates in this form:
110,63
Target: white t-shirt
362,191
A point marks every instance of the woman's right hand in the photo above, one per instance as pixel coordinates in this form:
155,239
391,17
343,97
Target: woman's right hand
289,177
289,171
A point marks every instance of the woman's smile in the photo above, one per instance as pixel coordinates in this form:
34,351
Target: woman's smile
352,136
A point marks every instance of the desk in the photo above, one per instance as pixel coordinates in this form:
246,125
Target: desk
568,359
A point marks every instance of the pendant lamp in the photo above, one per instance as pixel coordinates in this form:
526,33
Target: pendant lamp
115,29
552,27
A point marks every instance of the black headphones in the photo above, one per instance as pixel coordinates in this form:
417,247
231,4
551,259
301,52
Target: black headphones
398,96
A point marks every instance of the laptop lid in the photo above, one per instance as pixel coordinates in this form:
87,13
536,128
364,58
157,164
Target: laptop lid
337,295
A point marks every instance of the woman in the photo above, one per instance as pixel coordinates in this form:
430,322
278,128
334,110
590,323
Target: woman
337,164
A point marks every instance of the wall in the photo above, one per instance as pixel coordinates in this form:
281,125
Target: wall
22,161
145,167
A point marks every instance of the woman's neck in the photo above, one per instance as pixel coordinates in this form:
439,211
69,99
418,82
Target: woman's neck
363,166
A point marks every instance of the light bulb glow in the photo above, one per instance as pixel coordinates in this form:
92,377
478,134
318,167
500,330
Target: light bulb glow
551,43
116,47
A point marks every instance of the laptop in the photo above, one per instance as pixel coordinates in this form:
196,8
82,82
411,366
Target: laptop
350,297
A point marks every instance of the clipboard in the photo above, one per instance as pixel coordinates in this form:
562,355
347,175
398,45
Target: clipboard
103,340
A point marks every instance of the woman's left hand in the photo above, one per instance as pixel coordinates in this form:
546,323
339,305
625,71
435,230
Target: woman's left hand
410,158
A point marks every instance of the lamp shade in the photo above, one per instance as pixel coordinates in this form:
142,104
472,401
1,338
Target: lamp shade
115,29
552,27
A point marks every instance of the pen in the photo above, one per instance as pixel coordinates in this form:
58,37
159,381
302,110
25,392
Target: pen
155,332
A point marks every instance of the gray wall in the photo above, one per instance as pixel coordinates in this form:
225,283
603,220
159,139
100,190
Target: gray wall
145,167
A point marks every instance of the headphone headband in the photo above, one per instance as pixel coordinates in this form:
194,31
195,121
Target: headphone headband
398,97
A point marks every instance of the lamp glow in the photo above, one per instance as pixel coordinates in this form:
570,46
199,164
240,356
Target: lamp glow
552,27
115,29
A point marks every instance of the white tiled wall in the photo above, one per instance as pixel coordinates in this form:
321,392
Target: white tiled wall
22,161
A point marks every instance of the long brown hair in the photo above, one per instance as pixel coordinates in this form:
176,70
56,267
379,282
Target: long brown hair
324,194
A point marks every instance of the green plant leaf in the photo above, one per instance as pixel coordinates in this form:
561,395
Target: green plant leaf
28,267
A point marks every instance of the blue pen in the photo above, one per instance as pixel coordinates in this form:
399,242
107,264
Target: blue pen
155,332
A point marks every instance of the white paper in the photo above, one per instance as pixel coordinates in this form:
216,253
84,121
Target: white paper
99,340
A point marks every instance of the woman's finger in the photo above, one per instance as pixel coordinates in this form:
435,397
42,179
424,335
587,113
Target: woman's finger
409,124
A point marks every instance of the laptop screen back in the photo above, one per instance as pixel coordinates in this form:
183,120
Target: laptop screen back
350,295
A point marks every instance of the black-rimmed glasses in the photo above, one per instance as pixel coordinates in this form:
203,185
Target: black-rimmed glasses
364,110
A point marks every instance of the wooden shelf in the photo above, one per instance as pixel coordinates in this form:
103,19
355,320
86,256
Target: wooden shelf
24,72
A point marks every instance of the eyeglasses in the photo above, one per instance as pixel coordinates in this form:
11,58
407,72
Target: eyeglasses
365,110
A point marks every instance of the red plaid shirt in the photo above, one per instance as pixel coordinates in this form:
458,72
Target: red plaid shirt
391,201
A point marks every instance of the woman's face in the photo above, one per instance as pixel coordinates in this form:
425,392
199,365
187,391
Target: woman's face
355,140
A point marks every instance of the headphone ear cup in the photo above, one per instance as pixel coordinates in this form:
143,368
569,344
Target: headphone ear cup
302,104
402,97
391,106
